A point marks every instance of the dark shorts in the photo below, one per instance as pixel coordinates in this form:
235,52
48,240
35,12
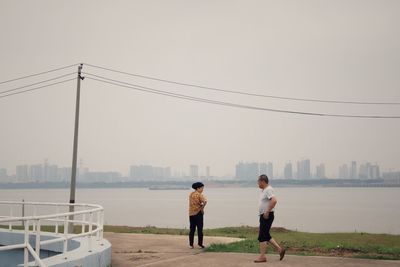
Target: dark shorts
265,227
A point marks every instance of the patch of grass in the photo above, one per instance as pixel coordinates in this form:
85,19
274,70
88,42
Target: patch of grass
360,245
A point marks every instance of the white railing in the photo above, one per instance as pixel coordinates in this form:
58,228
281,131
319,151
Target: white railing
91,221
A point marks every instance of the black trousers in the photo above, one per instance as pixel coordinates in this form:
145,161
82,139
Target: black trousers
196,221
265,227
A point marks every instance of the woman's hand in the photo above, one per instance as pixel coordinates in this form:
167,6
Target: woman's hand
266,215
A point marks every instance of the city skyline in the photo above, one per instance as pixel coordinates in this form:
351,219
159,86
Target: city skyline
243,170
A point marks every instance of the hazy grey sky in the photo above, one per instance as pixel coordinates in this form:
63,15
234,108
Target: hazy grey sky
338,49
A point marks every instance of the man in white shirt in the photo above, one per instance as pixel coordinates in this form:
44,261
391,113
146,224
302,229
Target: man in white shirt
266,213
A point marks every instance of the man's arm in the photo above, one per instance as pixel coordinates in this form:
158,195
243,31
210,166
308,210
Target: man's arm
272,204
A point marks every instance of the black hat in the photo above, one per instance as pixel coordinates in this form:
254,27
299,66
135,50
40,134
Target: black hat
197,185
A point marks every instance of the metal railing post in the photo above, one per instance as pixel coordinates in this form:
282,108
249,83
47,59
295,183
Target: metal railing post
102,223
65,243
23,211
37,247
34,214
10,222
83,219
57,211
90,231
98,228
26,243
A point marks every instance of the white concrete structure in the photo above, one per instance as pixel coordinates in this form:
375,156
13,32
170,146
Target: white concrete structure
40,242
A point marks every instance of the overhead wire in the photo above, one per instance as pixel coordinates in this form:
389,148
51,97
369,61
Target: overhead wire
36,88
37,74
40,82
222,103
240,92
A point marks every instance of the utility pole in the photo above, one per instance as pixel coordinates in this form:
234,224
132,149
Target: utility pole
75,148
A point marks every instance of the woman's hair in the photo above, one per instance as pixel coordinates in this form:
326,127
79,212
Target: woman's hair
197,185
263,177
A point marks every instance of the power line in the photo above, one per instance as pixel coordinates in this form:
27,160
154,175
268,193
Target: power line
29,85
241,92
209,101
37,88
37,74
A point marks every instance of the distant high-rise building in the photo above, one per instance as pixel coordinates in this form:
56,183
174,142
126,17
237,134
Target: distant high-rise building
3,173
21,173
147,172
353,170
270,171
263,168
266,168
208,174
288,171
392,177
64,174
194,171
375,172
343,172
369,171
167,173
247,171
45,177
320,171
52,173
304,169
103,177
36,173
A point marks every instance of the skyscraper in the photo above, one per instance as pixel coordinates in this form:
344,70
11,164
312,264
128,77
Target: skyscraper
369,171
247,171
3,174
343,172
36,173
208,174
353,170
320,171
270,170
288,171
21,173
263,168
303,169
266,168
194,171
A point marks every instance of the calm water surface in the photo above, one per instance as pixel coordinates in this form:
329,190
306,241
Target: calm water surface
374,210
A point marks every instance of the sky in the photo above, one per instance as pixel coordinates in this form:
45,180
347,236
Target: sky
335,50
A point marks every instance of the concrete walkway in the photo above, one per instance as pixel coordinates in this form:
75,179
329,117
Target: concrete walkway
173,251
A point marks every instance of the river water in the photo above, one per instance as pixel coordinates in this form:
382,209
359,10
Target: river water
312,209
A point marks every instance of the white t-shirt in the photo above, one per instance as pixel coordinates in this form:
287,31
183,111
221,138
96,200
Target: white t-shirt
265,196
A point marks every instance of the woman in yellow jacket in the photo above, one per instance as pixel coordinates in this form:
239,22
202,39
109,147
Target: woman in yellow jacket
197,202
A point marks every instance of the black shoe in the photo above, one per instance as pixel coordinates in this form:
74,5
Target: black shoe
282,254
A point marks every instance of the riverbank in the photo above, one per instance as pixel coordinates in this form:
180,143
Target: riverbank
351,245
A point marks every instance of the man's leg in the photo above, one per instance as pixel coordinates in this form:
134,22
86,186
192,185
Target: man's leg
263,250
272,241
275,245
262,238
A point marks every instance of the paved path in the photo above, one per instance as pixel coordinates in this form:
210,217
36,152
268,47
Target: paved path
172,251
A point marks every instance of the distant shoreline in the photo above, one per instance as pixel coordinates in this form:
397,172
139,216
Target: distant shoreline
171,185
